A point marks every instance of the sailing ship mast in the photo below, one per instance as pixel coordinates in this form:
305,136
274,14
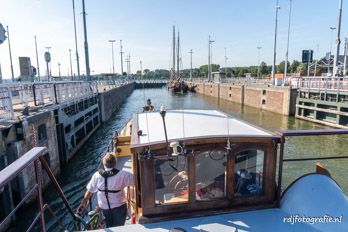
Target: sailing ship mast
178,56
173,68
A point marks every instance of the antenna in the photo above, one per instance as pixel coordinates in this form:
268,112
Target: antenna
163,115
228,133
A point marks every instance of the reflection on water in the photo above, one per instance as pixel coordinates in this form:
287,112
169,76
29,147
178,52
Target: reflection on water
76,174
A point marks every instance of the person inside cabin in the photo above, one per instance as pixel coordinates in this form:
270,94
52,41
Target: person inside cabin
109,184
149,106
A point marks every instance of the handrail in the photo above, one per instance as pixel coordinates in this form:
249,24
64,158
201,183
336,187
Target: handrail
12,170
296,133
34,156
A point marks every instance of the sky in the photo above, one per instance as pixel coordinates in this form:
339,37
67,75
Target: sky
145,27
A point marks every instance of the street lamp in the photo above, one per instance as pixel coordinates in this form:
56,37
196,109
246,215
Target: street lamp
191,64
112,41
226,58
328,65
37,60
275,44
210,42
9,48
121,52
59,70
76,51
48,62
287,45
71,71
258,61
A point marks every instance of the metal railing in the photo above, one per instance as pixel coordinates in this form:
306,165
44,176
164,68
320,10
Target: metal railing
297,133
320,83
16,97
34,156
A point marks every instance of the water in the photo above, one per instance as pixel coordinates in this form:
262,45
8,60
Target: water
77,173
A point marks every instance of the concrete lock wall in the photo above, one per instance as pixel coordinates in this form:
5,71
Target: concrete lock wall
38,130
111,100
281,100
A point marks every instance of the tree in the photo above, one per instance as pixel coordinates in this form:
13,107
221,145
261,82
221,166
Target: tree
214,68
263,68
281,67
294,66
302,68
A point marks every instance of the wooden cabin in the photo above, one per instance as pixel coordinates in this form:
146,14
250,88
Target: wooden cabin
209,163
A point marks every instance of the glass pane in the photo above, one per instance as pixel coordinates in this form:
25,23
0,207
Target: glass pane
248,176
210,174
171,180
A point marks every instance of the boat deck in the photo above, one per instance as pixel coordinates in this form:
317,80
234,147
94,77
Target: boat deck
305,198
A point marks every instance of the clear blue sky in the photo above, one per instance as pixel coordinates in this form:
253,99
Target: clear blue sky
145,26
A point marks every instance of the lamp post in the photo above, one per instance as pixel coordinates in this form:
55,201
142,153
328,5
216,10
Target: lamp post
328,65
86,43
121,52
226,58
275,44
59,70
71,71
338,41
287,45
76,51
112,41
9,48
258,60
48,62
191,64
210,42
37,60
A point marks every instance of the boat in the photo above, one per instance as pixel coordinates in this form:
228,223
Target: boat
176,84
203,170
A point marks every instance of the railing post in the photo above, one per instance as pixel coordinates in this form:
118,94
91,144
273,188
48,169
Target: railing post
280,169
55,93
39,194
34,94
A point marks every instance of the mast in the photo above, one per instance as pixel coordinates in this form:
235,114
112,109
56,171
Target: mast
173,68
338,41
178,56
86,43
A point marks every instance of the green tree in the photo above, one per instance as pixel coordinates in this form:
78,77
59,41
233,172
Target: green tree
294,65
281,67
214,68
302,68
263,68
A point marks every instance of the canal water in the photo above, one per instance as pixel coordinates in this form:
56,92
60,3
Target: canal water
77,173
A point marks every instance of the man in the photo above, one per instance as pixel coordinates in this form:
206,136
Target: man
149,106
109,183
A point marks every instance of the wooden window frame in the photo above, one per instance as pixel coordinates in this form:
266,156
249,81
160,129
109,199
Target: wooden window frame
154,212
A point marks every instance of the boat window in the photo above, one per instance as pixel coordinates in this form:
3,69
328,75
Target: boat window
248,175
210,174
171,180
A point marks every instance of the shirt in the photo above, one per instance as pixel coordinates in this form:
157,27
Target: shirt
117,182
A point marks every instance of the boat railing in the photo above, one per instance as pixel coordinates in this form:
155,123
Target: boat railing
297,133
36,157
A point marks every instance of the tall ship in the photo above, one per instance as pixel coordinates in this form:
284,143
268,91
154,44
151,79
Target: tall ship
176,83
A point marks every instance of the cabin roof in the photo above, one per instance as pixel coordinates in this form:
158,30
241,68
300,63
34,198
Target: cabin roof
184,124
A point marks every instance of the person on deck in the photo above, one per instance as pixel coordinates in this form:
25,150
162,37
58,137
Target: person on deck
109,183
149,106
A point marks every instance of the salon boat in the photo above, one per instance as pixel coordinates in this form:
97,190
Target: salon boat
201,170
